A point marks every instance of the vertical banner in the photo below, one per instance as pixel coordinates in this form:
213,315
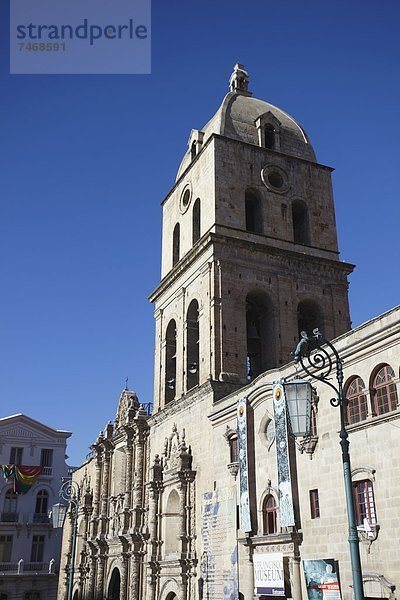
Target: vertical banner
268,574
322,581
218,563
245,519
282,458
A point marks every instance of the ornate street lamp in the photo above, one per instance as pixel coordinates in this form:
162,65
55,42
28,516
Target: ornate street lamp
298,393
319,358
69,492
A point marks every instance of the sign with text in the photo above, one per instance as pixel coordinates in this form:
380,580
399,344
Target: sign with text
80,36
268,574
218,564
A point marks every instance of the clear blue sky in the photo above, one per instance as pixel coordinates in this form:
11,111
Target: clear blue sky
86,160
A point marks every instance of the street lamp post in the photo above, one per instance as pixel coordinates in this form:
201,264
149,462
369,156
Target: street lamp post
69,492
319,358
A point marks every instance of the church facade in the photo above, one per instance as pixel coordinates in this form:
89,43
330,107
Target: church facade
185,503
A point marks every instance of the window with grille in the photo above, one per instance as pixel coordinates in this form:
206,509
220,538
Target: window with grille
357,407
41,502
5,547
16,455
365,502
234,449
269,510
37,548
384,391
46,458
10,514
314,504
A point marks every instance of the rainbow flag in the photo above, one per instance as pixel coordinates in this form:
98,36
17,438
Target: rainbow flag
23,478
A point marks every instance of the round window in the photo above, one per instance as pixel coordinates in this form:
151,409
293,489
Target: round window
185,199
270,431
275,179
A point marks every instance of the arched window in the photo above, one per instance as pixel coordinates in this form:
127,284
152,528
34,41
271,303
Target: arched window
42,498
384,391
172,523
309,317
10,514
357,407
260,334
114,589
193,151
170,362
196,228
253,212
269,136
192,345
365,502
176,242
301,233
269,513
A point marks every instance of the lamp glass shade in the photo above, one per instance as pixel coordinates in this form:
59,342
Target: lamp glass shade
298,402
58,513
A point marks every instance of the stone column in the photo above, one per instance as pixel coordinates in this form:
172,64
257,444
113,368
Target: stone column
155,488
295,577
140,440
96,496
92,576
246,573
104,491
134,583
100,576
128,482
182,491
124,577
128,479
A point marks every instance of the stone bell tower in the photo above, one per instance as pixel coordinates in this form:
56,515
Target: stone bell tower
249,251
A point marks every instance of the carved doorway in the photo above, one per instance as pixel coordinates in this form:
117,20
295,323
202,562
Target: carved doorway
172,596
115,586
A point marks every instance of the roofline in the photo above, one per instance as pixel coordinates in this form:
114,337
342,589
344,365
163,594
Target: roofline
63,432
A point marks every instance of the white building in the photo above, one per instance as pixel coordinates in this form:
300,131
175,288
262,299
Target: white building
29,547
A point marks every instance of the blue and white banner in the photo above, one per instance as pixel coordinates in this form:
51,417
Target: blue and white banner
245,519
282,458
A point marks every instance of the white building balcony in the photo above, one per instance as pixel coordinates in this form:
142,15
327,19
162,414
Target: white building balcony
27,568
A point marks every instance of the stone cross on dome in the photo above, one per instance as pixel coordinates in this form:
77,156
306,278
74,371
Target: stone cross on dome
239,80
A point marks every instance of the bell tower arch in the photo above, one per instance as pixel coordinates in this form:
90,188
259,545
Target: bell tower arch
249,250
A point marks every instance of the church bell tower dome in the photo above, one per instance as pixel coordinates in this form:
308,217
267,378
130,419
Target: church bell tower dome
249,252
246,119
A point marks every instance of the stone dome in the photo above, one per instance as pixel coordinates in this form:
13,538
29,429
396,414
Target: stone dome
240,117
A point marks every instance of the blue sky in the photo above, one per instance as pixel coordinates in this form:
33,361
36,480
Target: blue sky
86,160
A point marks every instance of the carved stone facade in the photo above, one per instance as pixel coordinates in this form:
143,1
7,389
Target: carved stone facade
250,257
